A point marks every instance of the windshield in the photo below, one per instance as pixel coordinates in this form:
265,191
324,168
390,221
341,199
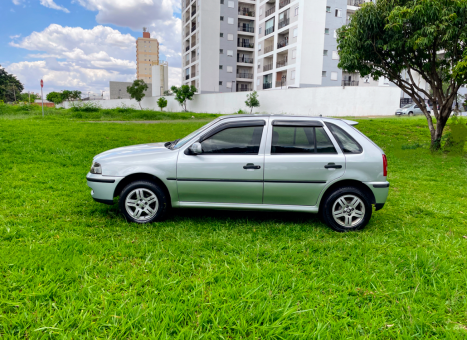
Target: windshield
407,106
185,140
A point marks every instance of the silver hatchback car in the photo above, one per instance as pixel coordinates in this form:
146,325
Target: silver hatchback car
250,162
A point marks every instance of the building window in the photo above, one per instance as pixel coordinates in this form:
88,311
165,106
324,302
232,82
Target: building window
230,36
260,29
323,74
326,31
229,53
292,75
220,83
229,69
333,75
335,55
231,4
259,47
221,51
335,34
230,21
222,35
222,2
338,13
325,53
295,32
257,81
221,67
261,11
294,54
229,85
222,18
296,11
328,9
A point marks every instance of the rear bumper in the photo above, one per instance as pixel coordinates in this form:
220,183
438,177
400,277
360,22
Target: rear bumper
380,191
103,187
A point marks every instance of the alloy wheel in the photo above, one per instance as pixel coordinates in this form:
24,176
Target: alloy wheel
142,204
348,211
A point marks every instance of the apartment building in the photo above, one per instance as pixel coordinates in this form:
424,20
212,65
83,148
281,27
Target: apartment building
245,45
147,52
218,44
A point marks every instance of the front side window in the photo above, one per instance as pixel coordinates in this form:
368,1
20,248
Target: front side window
345,141
300,140
240,140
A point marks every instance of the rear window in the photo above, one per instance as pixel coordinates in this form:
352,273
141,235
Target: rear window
345,141
293,140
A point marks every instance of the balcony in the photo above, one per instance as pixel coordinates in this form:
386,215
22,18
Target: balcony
193,28
245,44
284,23
193,59
246,29
244,88
187,48
245,11
270,11
282,63
283,43
193,12
283,3
350,83
268,49
269,30
245,75
356,3
267,67
246,60
187,77
267,86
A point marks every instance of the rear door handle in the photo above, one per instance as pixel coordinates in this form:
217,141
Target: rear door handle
333,166
251,166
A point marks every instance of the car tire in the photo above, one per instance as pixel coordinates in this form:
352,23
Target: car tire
410,113
352,215
143,202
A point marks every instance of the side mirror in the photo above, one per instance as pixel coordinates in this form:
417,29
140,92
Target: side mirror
196,149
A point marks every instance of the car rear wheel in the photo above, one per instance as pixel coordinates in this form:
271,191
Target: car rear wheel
143,202
410,113
346,209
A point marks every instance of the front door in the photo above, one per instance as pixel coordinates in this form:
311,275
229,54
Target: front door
230,169
300,161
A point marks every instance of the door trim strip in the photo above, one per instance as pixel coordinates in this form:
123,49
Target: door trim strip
243,181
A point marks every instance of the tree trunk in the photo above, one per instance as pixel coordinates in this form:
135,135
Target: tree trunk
437,132
140,106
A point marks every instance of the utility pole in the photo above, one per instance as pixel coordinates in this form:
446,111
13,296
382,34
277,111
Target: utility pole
29,97
42,96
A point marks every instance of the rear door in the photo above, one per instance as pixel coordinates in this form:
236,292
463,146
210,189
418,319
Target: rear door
300,160
231,167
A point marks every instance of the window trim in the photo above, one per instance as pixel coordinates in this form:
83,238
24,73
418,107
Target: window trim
224,126
339,141
297,123
315,141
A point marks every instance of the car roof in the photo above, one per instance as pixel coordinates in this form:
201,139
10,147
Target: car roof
282,116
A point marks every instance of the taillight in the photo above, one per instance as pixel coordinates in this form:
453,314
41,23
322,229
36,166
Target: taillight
385,166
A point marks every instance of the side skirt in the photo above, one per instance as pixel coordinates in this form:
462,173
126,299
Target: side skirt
258,207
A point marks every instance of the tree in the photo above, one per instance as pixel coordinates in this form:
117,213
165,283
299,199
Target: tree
184,93
136,90
66,95
423,39
55,97
252,100
10,86
76,95
162,102
25,97
167,93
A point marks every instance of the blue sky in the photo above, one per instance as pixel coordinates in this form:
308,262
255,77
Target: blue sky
83,44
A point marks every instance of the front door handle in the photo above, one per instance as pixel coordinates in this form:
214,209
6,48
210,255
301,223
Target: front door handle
333,166
251,166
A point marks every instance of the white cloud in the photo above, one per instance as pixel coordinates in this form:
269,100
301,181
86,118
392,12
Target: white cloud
156,15
53,5
15,36
76,58
175,76
18,2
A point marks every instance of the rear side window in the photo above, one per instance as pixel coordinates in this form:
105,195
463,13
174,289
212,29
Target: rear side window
240,140
300,140
345,141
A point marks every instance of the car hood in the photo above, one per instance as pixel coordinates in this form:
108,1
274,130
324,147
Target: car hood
133,151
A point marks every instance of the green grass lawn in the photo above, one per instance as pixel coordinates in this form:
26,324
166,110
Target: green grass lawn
72,268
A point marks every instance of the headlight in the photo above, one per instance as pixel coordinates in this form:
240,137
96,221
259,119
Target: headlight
96,169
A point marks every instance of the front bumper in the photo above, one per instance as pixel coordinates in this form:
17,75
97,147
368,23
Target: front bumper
380,191
103,187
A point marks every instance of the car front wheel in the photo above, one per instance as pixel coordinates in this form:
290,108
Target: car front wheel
346,209
143,202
